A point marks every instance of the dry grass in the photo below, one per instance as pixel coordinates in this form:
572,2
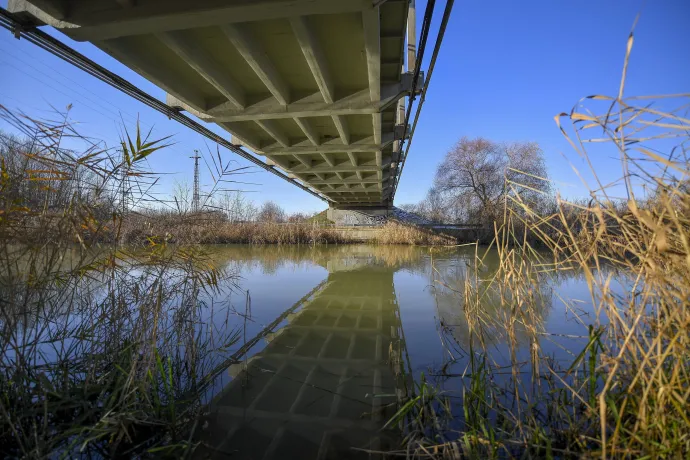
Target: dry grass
396,233
213,229
626,392
103,351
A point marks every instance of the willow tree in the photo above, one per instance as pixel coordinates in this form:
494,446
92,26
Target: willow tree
477,175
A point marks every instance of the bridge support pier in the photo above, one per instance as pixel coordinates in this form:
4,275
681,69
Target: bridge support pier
359,215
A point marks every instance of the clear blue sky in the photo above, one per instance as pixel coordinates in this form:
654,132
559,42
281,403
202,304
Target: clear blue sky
505,69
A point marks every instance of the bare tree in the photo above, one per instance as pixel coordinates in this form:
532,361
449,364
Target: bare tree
236,206
477,174
271,212
182,195
432,207
297,218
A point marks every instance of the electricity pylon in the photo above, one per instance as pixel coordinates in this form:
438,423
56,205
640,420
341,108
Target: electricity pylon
195,196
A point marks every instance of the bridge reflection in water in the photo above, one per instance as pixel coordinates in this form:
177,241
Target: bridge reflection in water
326,382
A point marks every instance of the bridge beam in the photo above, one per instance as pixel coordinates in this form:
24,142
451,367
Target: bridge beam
310,106
95,20
333,181
362,146
271,83
314,56
270,127
308,130
341,125
337,169
372,46
247,46
198,60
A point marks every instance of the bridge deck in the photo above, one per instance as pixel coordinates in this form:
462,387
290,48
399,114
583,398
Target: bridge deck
312,85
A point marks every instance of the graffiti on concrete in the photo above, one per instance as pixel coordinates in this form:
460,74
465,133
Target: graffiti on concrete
354,218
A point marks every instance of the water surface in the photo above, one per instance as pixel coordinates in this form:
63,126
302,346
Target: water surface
340,333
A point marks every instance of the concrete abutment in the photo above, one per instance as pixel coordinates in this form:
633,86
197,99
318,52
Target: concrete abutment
359,215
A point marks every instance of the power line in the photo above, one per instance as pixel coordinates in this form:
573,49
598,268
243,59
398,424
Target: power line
56,71
48,85
119,113
437,47
59,49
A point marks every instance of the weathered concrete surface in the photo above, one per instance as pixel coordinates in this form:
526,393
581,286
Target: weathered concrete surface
360,216
312,85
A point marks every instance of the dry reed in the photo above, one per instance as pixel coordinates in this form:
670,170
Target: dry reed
211,228
626,392
102,349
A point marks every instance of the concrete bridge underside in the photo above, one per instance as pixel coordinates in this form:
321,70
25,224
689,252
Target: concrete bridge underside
315,86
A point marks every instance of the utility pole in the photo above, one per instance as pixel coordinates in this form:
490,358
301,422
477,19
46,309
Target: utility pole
195,196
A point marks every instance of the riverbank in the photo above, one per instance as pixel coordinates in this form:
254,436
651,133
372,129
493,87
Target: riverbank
210,229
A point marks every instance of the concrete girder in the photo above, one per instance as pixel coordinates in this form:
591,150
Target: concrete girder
251,74
365,180
308,130
314,56
336,196
342,168
241,134
372,35
367,177
328,159
142,67
360,146
351,196
364,165
352,192
306,162
341,126
248,47
411,37
348,187
50,12
282,163
95,20
270,127
360,194
353,158
379,158
199,61
376,123
362,204
310,106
